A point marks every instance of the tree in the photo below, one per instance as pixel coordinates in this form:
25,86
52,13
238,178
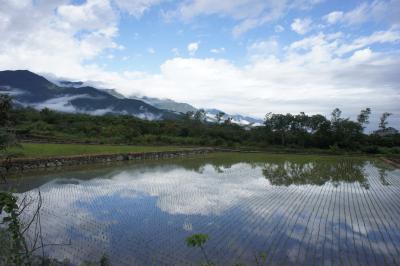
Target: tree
49,116
321,131
5,107
383,120
200,115
7,137
281,124
17,252
228,121
188,115
316,121
301,121
219,116
363,117
336,114
348,134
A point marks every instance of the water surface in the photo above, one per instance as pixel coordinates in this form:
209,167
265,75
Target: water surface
293,209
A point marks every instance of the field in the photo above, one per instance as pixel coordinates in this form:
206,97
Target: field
290,209
36,150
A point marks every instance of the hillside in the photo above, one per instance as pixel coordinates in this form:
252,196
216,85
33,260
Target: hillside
30,89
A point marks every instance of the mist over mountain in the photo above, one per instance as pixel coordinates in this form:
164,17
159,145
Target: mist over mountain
66,83
236,119
30,89
178,107
167,104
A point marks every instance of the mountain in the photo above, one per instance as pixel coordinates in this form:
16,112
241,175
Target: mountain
178,107
66,83
236,119
114,93
79,84
168,104
30,89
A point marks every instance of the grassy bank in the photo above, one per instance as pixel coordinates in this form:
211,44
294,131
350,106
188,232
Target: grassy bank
40,150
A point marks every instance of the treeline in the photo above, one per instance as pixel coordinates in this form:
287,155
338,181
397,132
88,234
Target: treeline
334,133
293,131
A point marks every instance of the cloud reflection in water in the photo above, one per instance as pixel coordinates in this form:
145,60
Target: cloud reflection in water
304,210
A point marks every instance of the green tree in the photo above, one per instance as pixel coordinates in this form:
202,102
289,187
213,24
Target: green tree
7,136
9,211
383,120
315,122
336,115
363,117
281,124
219,116
228,121
200,115
188,115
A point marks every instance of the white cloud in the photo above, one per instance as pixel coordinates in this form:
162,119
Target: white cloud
301,26
217,50
262,49
55,37
312,76
151,50
62,104
360,56
136,7
92,15
249,13
192,48
279,28
389,36
175,51
235,9
378,11
357,15
333,17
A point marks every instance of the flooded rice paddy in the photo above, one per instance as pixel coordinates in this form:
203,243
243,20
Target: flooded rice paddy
292,209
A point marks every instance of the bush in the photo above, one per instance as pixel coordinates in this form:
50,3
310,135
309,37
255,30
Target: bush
371,149
395,150
334,149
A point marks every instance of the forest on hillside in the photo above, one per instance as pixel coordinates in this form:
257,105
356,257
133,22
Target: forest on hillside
279,130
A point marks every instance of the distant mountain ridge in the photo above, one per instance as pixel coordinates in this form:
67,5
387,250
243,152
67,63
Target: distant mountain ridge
236,119
168,104
178,107
66,83
30,89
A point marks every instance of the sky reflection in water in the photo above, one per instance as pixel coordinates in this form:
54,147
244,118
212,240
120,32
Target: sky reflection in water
297,210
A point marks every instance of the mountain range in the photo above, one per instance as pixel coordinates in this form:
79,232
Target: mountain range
30,89
168,104
236,119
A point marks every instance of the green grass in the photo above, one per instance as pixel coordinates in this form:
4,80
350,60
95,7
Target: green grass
36,150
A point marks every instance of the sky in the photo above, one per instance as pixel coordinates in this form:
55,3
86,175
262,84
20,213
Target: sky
242,56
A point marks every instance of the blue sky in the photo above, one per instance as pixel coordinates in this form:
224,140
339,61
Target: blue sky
242,56
154,38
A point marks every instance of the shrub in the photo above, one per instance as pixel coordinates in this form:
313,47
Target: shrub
371,149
